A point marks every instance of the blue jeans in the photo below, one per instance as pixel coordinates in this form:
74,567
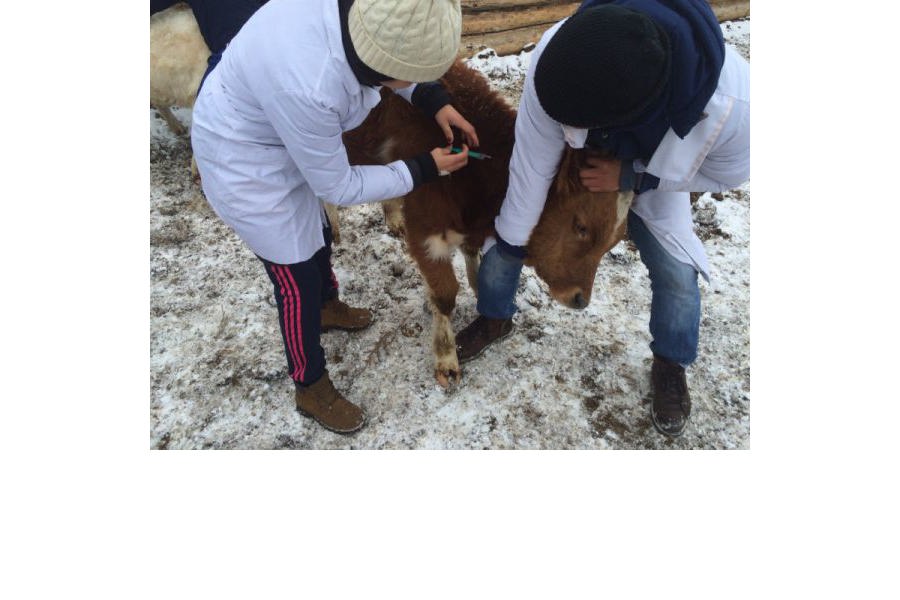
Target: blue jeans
498,279
674,309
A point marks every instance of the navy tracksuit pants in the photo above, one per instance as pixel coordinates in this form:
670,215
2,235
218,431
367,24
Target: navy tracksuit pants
300,290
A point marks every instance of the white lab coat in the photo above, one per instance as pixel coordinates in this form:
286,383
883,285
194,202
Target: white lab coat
714,156
267,128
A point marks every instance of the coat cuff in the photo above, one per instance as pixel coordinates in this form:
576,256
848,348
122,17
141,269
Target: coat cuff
505,248
430,97
626,176
637,182
644,182
422,168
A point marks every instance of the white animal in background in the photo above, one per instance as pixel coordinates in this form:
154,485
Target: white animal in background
178,60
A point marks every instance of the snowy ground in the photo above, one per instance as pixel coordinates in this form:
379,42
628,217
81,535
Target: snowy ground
565,379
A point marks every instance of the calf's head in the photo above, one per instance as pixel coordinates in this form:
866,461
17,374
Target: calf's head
576,229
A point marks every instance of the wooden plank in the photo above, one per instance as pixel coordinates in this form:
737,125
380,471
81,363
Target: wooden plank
488,31
729,10
503,42
738,7
490,22
479,6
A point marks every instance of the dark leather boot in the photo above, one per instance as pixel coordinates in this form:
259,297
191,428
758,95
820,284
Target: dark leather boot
671,406
340,315
480,333
328,407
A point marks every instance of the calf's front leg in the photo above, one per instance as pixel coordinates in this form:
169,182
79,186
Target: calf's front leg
442,287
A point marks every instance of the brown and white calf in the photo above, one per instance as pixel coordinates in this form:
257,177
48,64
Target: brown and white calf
576,228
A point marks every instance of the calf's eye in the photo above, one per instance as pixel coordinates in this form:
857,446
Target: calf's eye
580,230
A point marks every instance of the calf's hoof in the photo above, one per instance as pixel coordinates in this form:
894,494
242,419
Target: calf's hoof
447,374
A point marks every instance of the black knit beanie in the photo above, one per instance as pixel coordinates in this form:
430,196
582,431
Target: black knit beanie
603,68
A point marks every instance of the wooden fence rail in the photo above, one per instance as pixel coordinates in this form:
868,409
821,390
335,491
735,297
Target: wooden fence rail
508,26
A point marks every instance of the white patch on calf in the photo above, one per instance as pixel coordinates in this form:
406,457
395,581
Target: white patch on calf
441,247
623,203
443,343
472,264
385,149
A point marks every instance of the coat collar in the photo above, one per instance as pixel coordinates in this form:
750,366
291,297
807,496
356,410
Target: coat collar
371,95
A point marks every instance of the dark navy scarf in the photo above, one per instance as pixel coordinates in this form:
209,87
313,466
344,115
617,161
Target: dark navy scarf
364,74
698,53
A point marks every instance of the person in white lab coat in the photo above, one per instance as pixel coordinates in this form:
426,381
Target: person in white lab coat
652,86
266,135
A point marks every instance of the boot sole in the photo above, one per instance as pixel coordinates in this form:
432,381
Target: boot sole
463,361
659,428
309,415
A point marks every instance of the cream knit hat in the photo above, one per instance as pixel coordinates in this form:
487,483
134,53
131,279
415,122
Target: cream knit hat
409,40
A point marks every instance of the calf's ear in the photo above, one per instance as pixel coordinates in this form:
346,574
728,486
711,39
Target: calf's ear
567,180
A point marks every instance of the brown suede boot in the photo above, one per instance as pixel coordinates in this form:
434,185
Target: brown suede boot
339,315
328,407
671,406
479,334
